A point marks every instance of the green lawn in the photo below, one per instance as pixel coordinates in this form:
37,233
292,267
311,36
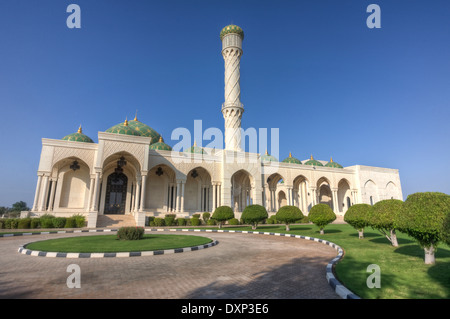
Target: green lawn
110,243
403,271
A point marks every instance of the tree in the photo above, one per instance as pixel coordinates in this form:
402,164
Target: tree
321,215
254,214
382,218
289,214
424,217
222,214
19,206
446,232
357,217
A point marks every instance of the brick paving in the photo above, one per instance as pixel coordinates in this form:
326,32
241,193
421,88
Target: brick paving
241,266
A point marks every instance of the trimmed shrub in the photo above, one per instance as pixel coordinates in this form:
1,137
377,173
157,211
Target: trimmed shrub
271,220
2,223
321,215
80,221
233,221
181,221
211,222
195,221
169,219
24,223
70,222
46,221
446,230
59,222
130,233
382,218
357,217
222,214
254,214
289,214
423,216
11,223
206,216
35,223
159,221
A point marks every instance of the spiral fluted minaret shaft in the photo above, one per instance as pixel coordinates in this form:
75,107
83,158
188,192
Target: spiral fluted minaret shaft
232,107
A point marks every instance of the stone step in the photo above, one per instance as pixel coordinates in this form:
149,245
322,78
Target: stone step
115,221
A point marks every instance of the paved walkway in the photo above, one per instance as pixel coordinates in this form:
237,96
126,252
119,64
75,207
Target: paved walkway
241,266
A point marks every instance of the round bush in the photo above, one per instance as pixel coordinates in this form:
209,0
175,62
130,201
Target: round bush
24,223
70,223
181,221
222,214
233,221
130,233
35,223
206,216
254,214
195,221
159,221
446,230
211,222
59,222
289,214
357,217
321,215
422,216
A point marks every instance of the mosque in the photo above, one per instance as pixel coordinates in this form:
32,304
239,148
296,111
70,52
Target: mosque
132,171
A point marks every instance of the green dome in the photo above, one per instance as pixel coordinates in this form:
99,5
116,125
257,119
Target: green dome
145,130
195,149
160,145
313,162
268,158
231,29
123,128
291,159
78,137
333,164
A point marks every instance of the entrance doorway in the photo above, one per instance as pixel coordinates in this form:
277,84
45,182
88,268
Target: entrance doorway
116,193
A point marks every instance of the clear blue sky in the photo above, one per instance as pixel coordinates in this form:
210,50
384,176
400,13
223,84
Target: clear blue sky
313,69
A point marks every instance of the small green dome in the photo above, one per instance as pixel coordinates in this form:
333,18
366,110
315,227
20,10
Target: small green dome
78,137
144,130
231,29
195,149
313,162
333,164
160,145
291,159
268,158
123,128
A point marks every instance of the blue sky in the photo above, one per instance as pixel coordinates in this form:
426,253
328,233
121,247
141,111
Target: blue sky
313,69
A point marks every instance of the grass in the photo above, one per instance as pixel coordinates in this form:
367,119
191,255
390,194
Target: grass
110,243
404,274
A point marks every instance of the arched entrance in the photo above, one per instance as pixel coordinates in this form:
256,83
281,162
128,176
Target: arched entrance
116,193
241,190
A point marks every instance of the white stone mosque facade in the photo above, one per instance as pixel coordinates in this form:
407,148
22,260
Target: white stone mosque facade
132,171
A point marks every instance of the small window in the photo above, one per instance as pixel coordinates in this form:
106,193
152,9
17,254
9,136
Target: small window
371,200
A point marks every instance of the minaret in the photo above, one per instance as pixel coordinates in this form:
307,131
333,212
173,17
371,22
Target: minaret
232,108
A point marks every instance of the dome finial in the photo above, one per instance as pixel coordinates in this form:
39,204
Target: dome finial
290,154
267,153
126,121
135,116
311,157
160,139
331,159
195,143
80,130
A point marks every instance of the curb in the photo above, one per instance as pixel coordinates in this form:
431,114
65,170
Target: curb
337,286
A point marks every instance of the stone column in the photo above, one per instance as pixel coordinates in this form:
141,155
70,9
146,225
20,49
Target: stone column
91,192
44,193
138,193
96,191
214,187
177,206
52,195
182,197
336,207
143,186
36,194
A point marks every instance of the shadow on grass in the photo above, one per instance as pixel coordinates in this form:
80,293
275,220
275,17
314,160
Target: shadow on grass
383,240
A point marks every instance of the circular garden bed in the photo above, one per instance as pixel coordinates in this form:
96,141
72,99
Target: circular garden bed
110,243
